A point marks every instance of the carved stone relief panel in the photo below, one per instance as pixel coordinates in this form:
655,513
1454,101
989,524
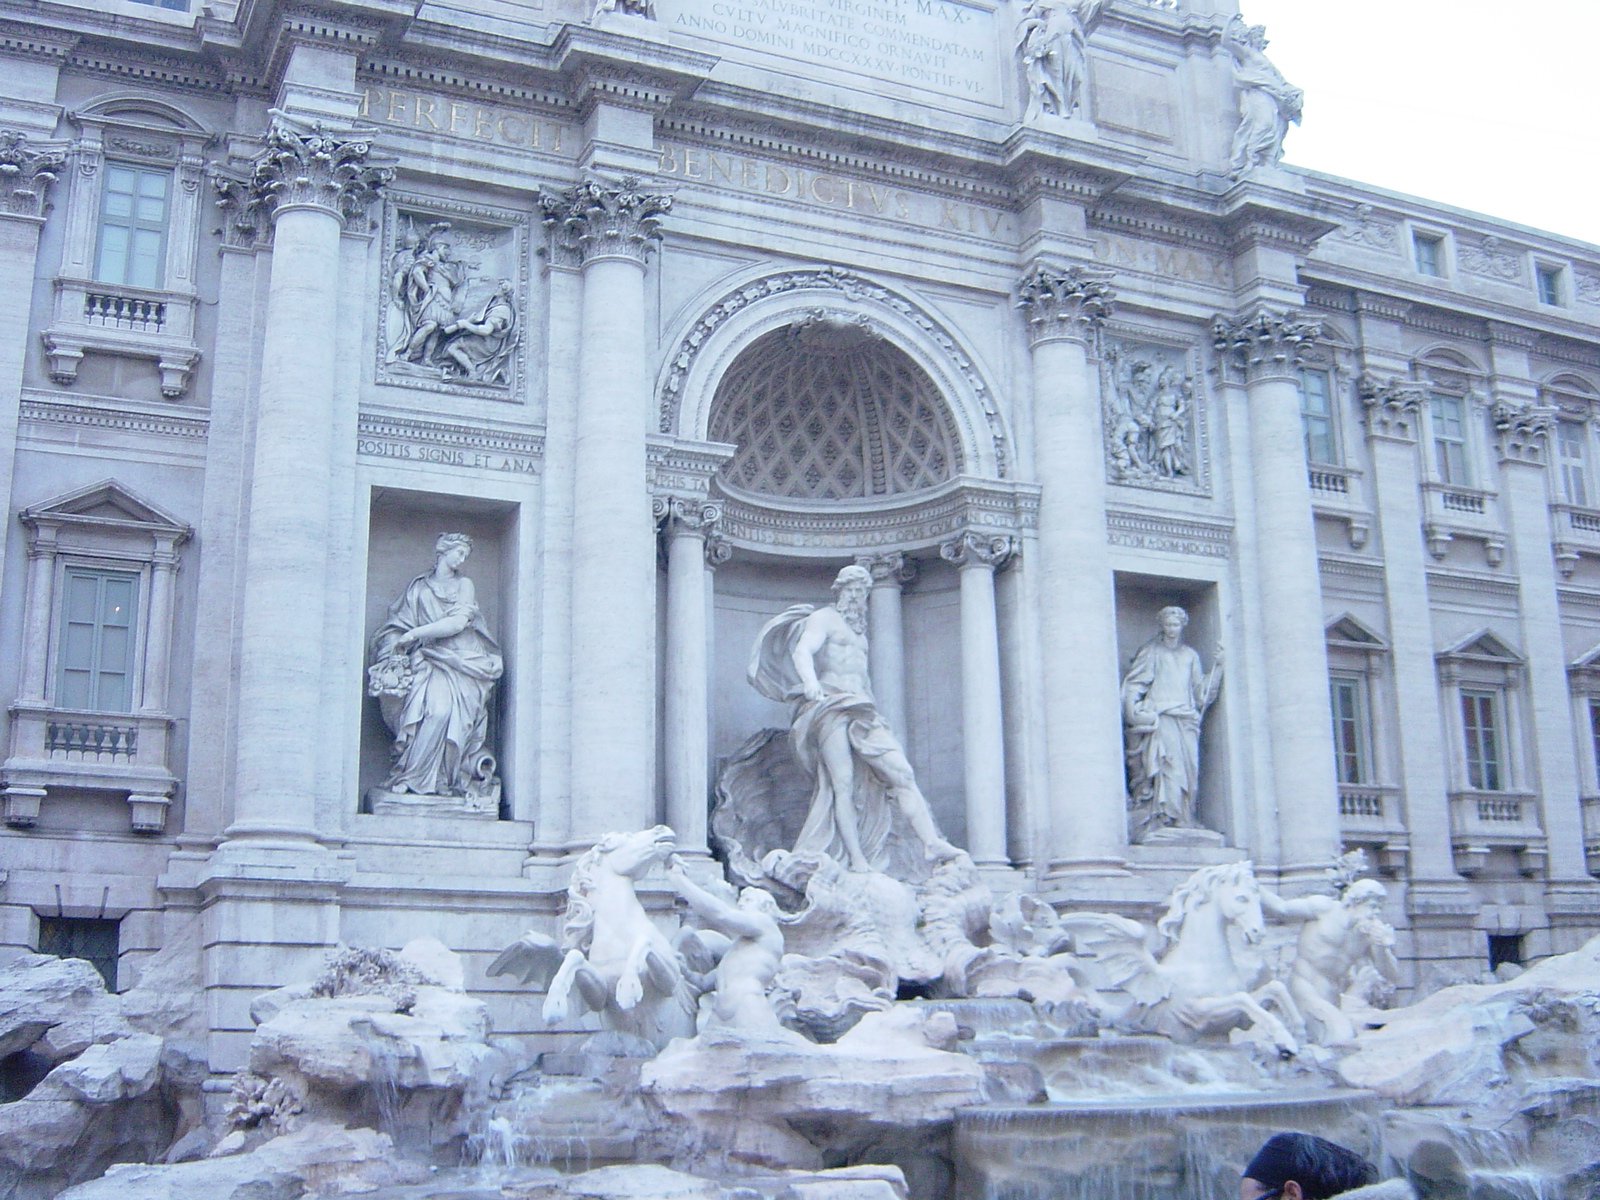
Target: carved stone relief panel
1155,429
454,299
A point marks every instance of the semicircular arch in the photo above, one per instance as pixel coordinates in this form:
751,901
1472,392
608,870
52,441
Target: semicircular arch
736,314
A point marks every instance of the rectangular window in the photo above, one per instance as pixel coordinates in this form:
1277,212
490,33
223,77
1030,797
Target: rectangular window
1449,438
1429,253
1572,438
1481,723
1351,758
1594,732
1550,289
97,640
133,226
90,938
1316,413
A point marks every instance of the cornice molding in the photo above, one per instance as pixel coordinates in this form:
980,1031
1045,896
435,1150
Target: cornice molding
1139,530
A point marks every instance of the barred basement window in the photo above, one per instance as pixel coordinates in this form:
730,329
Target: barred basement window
93,939
1505,948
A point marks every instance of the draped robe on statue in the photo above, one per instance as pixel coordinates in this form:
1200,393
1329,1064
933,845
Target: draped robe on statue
441,723
887,839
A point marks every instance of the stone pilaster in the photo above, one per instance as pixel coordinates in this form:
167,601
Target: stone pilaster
307,181
1522,436
28,172
1262,350
1064,307
687,527
886,633
610,228
1390,412
982,724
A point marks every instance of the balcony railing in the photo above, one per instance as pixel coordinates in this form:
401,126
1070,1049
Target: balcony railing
1482,822
115,311
102,741
1369,816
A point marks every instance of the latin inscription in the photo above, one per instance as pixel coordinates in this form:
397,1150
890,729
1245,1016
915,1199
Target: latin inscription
935,45
827,190
424,453
1154,258
464,119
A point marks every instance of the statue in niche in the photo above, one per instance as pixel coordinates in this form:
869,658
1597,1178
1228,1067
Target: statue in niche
1165,695
1053,38
434,666
1267,101
1149,411
444,324
866,810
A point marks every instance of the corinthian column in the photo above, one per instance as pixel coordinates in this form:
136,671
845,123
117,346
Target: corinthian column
1065,306
983,740
686,526
611,228
27,173
1263,350
307,182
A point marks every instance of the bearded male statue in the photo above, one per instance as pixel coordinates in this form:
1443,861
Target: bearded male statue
866,809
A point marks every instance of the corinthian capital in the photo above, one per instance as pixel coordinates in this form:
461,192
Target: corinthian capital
26,173
892,568
1064,301
1390,407
311,167
1263,344
597,219
1522,430
978,550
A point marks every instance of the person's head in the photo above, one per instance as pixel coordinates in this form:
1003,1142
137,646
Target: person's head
1302,1166
1172,621
1366,895
850,588
452,548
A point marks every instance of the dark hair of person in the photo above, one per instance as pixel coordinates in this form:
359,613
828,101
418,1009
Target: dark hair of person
1321,1168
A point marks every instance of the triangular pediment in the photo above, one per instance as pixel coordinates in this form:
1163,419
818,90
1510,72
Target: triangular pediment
1587,661
1346,630
1483,645
106,502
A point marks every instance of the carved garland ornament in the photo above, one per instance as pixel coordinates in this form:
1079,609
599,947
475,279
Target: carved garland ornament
597,219
26,173
852,287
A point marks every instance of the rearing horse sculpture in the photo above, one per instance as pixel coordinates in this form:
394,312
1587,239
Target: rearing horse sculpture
1185,981
610,952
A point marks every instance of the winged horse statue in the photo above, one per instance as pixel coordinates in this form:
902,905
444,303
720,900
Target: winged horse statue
1183,980
611,958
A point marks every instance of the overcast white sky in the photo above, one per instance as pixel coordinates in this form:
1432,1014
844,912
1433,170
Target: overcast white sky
1488,105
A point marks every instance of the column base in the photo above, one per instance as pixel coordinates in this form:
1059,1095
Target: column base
1112,866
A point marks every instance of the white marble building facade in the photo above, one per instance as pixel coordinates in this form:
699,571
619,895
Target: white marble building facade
675,308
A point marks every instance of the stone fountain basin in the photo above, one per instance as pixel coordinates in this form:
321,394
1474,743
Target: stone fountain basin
1179,1146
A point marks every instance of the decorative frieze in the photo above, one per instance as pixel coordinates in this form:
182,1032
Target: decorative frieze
1152,423
599,219
1264,344
1490,259
415,441
1366,228
26,173
1065,301
1522,431
1390,407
